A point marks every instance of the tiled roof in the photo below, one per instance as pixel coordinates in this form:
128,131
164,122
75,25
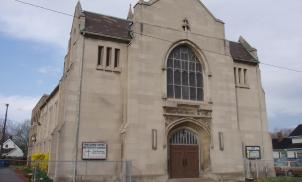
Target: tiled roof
239,53
107,26
117,28
297,131
281,143
285,143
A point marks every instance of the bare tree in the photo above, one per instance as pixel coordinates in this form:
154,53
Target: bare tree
281,133
20,134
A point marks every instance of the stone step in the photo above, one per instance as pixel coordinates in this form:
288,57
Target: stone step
212,179
191,180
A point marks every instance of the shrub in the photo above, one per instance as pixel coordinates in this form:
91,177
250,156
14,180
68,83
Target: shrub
40,160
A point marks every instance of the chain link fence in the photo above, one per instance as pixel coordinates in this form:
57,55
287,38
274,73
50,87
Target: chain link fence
67,171
256,169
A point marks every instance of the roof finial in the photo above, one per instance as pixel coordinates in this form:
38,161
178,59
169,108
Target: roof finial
130,13
79,5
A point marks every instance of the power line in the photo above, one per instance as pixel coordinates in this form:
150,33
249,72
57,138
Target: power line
151,36
95,19
281,67
41,7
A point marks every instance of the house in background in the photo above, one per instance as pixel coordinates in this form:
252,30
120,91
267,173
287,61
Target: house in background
289,147
10,149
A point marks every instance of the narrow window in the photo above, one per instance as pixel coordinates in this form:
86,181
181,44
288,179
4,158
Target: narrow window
154,139
221,142
116,58
235,78
100,55
108,56
245,76
239,76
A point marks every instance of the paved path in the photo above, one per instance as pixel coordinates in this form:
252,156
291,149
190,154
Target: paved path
9,175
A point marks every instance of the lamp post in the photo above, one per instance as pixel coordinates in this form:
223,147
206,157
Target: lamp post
3,130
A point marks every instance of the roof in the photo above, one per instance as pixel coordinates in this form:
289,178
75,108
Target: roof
281,143
6,151
107,26
117,28
52,94
285,143
297,131
239,53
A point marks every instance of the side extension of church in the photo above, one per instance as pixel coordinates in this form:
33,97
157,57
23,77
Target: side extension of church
163,89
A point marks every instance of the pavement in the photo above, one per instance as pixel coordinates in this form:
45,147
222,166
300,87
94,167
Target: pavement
9,175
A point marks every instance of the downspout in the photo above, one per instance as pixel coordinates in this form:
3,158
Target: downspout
260,110
236,77
79,113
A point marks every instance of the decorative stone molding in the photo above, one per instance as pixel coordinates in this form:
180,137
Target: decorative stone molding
181,113
171,122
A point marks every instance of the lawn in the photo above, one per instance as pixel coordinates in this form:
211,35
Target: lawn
281,179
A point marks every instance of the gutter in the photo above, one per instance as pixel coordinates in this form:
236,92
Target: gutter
84,32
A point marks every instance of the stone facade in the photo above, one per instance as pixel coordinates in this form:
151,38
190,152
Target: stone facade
114,90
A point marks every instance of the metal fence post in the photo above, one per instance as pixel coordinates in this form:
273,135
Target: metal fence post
128,171
257,172
35,170
85,171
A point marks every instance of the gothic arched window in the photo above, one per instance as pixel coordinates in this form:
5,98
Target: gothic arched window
183,137
184,75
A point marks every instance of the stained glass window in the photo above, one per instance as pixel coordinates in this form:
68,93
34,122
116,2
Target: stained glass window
184,75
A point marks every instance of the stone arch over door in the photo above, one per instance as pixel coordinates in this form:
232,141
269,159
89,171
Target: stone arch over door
202,134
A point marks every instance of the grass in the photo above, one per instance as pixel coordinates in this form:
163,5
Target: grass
29,172
280,179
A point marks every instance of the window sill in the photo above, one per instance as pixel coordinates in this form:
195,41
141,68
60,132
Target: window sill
176,102
243,86
103,68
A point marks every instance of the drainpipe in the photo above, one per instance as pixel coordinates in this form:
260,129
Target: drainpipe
260,110
79,114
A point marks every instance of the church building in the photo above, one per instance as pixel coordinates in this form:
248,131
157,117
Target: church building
163,89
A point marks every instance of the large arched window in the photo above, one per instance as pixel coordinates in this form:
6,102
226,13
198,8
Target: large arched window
184,75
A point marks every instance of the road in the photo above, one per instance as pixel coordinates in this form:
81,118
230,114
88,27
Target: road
8,175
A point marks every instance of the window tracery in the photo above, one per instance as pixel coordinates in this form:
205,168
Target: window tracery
184,75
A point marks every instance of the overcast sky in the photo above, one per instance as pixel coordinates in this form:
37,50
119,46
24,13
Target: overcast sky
33,44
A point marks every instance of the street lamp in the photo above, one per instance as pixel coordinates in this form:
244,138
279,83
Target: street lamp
3,130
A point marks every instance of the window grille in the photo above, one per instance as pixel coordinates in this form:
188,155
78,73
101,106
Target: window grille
184,75
183,137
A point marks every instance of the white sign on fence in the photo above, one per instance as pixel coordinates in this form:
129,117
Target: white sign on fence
253,152
94,151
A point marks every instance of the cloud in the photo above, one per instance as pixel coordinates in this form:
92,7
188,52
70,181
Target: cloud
20,107
49,70
31,23
271,26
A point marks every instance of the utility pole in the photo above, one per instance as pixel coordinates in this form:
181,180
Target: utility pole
3,130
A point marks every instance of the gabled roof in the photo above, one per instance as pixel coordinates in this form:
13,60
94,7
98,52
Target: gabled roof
107,26
297,131
281,143
117,28
285,143
7,151
151,2
239,53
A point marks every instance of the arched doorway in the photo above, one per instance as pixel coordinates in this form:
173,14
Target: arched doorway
184,154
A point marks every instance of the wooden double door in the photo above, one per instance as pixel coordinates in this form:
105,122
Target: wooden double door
184,161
